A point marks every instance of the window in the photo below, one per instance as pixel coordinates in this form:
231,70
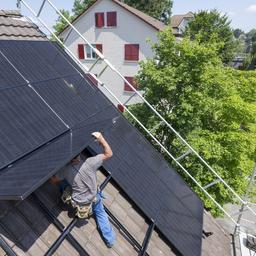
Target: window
131,52
111,19
132,81
90,54
80,51
99,19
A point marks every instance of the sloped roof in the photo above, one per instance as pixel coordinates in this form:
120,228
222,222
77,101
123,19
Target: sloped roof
22,232
143,16
14,26
158,25
177,19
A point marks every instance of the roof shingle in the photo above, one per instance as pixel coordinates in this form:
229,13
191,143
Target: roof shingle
15,27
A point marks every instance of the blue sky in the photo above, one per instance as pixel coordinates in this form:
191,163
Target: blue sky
242,13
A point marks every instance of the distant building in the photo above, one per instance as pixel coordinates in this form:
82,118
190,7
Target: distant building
120,32
179,23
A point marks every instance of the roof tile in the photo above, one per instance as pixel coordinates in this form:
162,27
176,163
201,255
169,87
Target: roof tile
15,27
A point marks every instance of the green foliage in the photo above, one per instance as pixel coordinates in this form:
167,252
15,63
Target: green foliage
246,46
212,27
211,105
160,10
238,32
61,23
80,5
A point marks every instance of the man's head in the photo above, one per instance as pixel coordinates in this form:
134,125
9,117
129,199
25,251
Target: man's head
76,159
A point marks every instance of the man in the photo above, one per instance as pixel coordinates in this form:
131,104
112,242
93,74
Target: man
83,194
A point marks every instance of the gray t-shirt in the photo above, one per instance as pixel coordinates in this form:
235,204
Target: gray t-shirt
83,178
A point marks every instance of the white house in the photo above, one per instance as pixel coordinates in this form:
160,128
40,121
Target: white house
179,23
120,32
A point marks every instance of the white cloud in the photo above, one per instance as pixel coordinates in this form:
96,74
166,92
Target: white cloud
251,8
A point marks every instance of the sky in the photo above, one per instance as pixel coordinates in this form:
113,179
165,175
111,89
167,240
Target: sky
241,13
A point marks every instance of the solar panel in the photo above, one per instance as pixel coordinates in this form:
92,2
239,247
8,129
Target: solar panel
28,123
70,98
154,186
34,63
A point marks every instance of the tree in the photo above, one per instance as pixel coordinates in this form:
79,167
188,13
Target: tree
160,10
60,22
80,5
213,27
238,32
210,105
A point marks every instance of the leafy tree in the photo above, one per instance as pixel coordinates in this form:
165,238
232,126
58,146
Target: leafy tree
158,9
238,32
61,23
213,27
210,105
80,5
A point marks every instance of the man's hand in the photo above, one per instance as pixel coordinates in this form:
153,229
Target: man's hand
97,135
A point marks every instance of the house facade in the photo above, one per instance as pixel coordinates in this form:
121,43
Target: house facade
179,22
121,33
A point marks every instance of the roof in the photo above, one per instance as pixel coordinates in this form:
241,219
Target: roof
14,26
158,25
146,18
177,19
26,236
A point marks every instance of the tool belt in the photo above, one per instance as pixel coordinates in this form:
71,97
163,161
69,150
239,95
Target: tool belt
82,210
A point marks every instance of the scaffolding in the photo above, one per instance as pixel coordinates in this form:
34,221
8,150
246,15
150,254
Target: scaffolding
238,222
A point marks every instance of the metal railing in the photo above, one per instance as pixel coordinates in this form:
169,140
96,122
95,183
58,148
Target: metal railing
162,121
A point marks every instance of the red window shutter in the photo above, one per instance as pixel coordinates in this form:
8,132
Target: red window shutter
80,49
99,19
111,19
120,107
131,52
99,47
132,81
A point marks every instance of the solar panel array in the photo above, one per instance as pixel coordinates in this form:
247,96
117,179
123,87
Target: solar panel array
47,112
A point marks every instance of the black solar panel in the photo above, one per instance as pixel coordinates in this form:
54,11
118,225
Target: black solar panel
28,123
154,186
8,75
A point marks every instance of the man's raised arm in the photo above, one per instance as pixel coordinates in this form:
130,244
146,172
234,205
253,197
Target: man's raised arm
106,148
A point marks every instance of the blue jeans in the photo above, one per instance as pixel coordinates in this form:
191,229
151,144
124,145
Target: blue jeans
103,223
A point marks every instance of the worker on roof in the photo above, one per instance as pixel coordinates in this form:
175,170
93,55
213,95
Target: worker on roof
82,192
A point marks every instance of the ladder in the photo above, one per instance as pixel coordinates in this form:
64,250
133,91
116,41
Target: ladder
177,160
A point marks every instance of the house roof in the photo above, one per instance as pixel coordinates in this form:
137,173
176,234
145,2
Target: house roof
158,25
14,26
26,236
177,19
